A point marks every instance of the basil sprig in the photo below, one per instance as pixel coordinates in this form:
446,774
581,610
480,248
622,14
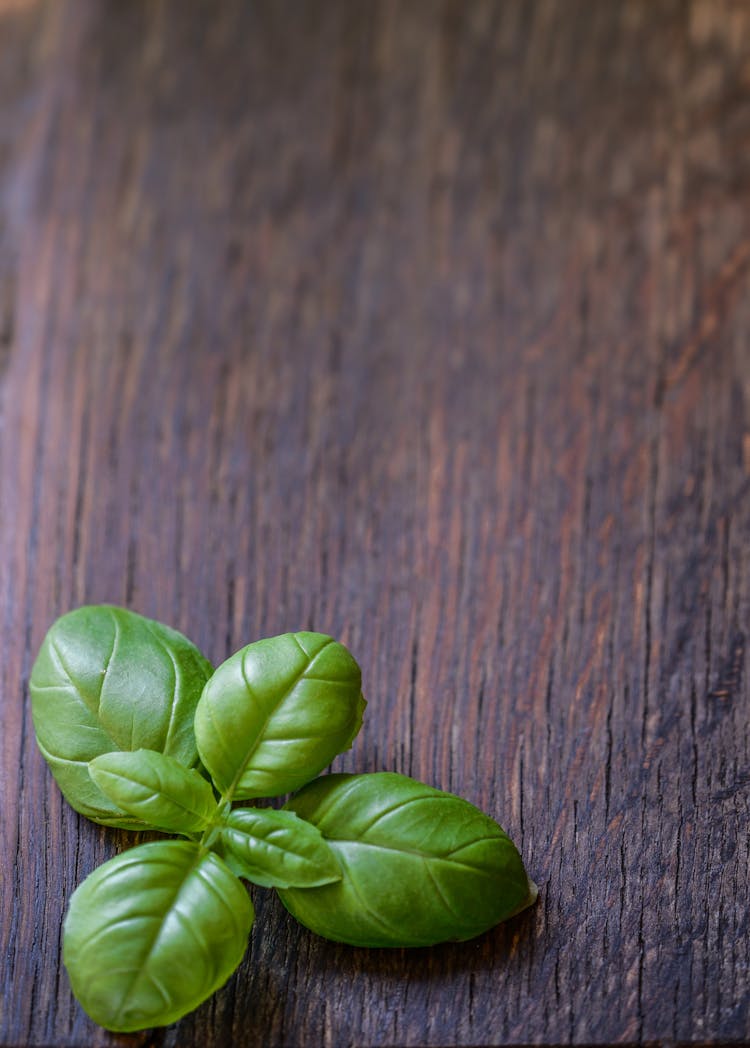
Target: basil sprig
140,734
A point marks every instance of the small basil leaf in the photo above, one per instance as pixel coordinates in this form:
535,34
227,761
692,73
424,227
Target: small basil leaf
276,849
107,679
153,932
419,866
156,789
277,712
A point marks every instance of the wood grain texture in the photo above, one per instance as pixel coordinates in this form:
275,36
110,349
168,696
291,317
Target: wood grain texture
425,324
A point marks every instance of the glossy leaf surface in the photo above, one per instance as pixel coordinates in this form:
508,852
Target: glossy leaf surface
276,849
155,789
153,932
419,866
277,712
108,679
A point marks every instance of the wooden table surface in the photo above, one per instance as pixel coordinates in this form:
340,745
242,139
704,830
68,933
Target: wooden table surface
426,324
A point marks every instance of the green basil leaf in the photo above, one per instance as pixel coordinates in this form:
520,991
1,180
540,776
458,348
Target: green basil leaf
419,866
277,712
275,849
153,932
107,679
156,789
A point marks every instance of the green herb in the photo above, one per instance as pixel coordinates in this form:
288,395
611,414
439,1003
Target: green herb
418,866
107,679
277,713
153,932
134,725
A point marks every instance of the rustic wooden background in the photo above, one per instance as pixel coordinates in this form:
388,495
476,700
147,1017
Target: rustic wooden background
426,324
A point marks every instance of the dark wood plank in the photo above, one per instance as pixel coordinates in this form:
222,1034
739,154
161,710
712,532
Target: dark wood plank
425,324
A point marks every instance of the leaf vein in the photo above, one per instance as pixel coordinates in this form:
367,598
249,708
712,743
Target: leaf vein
111,925
440,893
175,685
397,807
326,680
108,663
389,928
407,851
470,844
